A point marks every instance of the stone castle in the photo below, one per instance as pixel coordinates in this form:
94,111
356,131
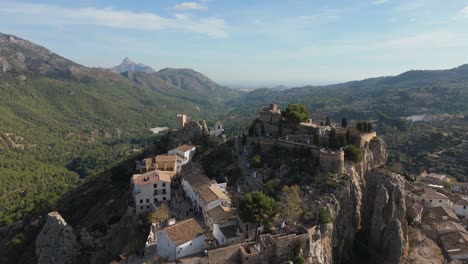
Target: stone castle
330,160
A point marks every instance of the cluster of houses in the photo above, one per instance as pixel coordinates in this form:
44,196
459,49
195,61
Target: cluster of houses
152,185
215,222
442,213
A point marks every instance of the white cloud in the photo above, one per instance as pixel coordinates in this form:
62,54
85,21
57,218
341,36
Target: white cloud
465,11
412,20
380,2
190,6
107,17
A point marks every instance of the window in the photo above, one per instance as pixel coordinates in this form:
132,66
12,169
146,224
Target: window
164,198
430,201
147,207
164,191
155,200
440,201
155,185
147,200
464,207
141,201
164,184
141,207
155,192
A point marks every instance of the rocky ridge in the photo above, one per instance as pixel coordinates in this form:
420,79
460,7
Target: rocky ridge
370,207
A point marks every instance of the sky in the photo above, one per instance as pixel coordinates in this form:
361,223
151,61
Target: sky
290,42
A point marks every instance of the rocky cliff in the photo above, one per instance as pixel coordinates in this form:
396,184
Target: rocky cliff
369,214
56,243
192,131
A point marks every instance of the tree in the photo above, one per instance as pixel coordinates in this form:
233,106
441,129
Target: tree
256,161
359,126
369,127
244,139
353,153
295,114
159,214
291,203
332,139
348,136
321,123
258,208
317,140
344,122
327,121
324,216
341,141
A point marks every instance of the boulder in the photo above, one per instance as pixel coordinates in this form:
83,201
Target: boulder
56,243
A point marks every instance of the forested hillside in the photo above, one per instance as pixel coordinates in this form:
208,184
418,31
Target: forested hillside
61,122
410,93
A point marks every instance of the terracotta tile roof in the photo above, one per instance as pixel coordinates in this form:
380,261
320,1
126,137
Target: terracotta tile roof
151,177
195,176
437,213
210,194
166,158
222,213
455,244
185,147
449,226
184,231
433,194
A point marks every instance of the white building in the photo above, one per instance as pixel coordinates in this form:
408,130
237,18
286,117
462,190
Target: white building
460,206
223,222
172,163
150,189
193,179
433,177
181,239
186,152
432,198
209,197
219,128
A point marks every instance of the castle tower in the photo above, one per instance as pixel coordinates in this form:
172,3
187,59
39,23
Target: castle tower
274,108
218,128
181,120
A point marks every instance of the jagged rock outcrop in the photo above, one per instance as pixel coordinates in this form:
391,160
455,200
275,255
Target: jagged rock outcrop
56,243
192,131
369,213
384,216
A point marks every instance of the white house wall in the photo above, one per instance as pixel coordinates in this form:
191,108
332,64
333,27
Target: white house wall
165,247
191,247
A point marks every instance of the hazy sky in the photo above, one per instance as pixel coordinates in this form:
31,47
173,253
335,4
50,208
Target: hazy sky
288,42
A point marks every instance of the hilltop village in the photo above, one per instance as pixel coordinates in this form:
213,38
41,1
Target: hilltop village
288,189
201,219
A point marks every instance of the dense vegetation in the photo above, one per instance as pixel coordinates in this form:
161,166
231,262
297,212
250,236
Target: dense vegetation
52,132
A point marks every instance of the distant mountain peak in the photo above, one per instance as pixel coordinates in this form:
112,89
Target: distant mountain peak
129,65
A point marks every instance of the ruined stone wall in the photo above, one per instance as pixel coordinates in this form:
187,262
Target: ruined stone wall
331,161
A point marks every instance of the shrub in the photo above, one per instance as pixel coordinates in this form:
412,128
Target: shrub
256,161
324,216
353,153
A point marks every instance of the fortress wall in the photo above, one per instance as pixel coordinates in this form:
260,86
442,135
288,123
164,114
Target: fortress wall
331,161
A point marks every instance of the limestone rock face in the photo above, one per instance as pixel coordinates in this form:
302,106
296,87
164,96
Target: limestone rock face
386,209
371,204
56,244
190,132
